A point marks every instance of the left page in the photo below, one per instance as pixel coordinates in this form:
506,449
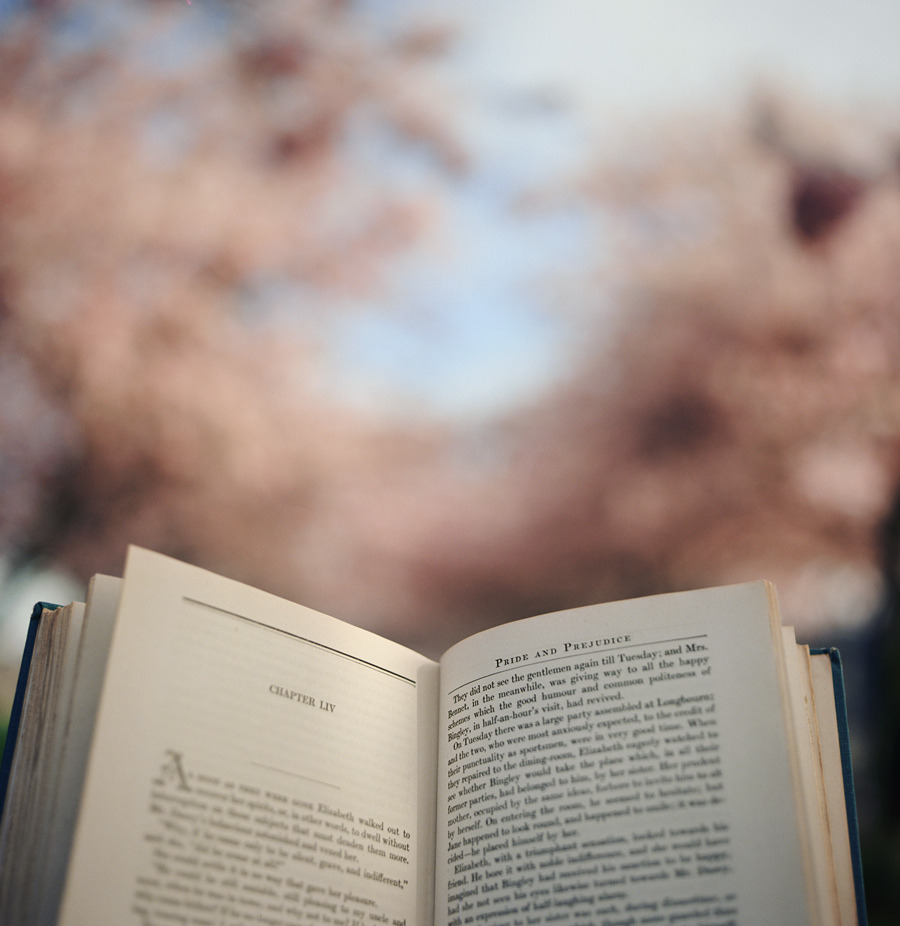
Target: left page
253,762
35,766
81,709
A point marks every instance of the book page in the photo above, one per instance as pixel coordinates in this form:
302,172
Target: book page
809,767
253,762
34,774
48,780
93,649
626,763
832,770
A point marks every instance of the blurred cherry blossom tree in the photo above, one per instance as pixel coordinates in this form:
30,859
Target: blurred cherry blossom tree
185,195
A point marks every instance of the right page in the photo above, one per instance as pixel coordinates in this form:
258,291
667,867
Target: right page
623,763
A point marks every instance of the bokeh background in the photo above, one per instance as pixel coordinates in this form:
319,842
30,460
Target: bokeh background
432,316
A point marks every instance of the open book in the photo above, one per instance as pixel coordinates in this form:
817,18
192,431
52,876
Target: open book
192,750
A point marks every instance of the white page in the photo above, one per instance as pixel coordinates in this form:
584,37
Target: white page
586,775
48,784
34,774
810,770
829,744
253,761
102,603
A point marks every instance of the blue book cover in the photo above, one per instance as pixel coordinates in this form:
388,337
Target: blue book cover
12,730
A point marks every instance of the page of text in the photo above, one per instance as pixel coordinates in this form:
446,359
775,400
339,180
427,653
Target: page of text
254,762
619,765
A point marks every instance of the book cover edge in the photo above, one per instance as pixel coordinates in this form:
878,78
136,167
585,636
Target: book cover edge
15,716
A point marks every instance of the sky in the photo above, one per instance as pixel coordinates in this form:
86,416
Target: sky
543,85
540,87
644,57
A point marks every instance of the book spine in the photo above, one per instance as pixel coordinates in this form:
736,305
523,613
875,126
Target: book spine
12,730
